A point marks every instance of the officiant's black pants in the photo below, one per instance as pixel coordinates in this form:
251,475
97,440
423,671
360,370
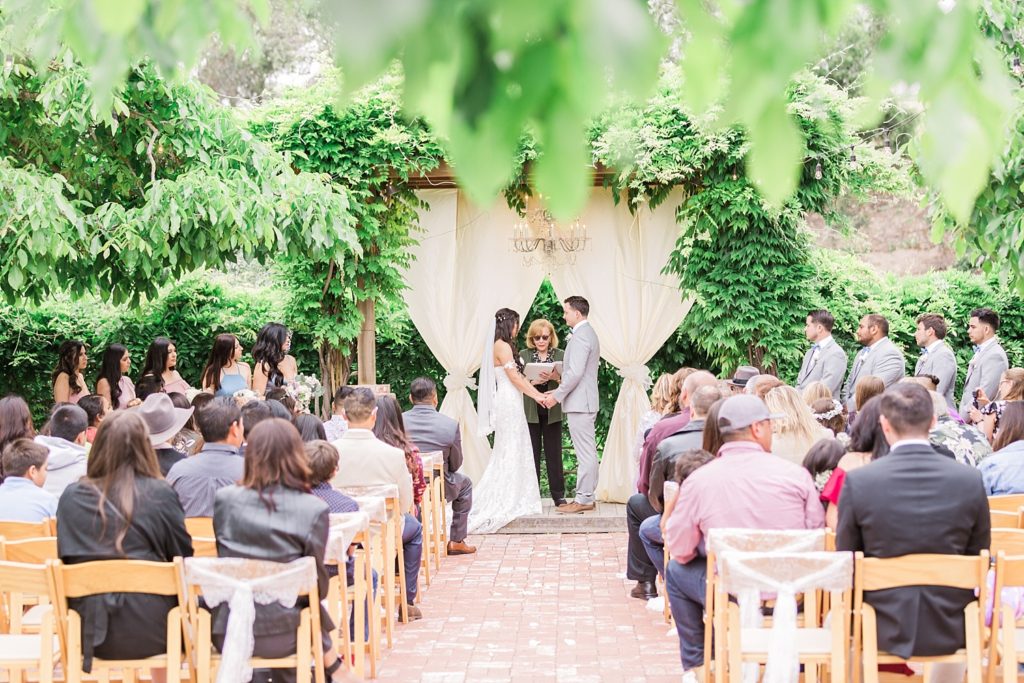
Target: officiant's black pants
548,437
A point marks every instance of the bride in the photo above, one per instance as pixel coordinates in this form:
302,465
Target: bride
508,488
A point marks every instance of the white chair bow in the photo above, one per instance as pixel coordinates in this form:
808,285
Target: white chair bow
241,583
786,574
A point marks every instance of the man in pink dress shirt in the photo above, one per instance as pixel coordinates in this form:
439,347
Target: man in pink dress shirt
745,487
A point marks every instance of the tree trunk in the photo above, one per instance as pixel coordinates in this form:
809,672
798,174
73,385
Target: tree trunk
335,368
366,351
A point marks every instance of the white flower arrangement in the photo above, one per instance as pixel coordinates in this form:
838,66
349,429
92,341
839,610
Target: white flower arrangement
304,388
243,396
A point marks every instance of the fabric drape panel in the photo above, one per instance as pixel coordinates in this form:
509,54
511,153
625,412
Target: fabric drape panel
634,309
463,271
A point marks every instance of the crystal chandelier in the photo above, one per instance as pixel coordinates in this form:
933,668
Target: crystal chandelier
539,238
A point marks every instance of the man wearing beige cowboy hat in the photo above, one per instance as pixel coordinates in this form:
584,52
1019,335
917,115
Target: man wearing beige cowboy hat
164,421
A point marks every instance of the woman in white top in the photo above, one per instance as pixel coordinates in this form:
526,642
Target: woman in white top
795,432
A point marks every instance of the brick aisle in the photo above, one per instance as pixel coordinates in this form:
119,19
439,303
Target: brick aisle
534,608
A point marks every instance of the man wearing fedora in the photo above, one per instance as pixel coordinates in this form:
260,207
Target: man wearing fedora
741,378
164,421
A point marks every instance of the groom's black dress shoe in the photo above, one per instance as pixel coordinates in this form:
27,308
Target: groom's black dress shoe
559,502
644,590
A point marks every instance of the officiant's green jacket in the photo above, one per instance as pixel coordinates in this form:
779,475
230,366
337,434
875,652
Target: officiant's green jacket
555,411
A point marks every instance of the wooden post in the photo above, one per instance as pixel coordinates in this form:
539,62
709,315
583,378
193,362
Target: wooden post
366,354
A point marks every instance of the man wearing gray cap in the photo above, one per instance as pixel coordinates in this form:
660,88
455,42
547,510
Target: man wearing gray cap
745,487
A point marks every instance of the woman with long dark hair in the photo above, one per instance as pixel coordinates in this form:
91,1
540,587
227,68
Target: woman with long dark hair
113,382
390,428
225,373
15,422
310,427
122,509
271,516
161,362
67,379
867,443
273,366
508,488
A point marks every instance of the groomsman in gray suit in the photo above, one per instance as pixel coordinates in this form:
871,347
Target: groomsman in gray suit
825,361
989,362
879,357
937,359
579,398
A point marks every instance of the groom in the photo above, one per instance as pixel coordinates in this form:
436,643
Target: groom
578,396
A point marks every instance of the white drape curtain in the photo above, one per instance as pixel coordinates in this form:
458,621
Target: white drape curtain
634,309
463,271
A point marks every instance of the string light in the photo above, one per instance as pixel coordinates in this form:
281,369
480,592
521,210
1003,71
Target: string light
1017,68
817,171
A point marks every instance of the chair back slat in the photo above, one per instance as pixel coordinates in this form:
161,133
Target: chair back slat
29,550
118,576
15,531
775,571
1004,520
1009,541
29,578
1010,503
955,571
201,527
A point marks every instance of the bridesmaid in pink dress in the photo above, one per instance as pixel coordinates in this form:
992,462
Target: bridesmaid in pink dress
113,382
161,359
67,378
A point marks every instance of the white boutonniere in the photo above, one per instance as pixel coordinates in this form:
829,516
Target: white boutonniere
569,338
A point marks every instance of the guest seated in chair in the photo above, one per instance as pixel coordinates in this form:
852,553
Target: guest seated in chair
432,431
367,461
122,509
744,487
943,502
22,498
196,480
271,516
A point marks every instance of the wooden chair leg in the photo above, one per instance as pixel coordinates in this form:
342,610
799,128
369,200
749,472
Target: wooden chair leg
1009,638
869,644
403,604
733,648
388,579
303,658
437,522
974,643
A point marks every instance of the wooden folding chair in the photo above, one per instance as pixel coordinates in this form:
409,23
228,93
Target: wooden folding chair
391,553
36,551
15,531
441,500
1011,503
358,600
119,576
230,572
816,647
953,571
21,653
427,520
204,547
1004,520
201,527
746,540
1006,644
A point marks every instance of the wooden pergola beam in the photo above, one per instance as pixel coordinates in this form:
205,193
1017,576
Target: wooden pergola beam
444,177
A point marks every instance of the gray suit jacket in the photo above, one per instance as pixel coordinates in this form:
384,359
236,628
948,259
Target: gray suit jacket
940,362
884,361
432,431
984,371
829,367
578,392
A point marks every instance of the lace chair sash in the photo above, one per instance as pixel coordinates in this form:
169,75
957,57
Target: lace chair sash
786,574
241,583
343,528
375,507
379,490
431,458
765,540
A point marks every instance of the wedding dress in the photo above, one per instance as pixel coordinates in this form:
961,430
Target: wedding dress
508,488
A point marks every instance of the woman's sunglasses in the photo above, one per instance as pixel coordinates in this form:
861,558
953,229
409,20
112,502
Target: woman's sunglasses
541,337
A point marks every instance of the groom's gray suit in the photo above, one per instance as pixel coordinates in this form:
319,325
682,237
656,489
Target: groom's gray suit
578,396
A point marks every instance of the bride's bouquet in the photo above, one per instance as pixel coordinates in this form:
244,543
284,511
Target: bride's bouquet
304,388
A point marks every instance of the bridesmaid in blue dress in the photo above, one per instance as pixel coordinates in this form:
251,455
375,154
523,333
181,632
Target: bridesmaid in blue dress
225,373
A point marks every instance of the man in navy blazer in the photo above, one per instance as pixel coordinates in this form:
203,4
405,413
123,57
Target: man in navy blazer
914,501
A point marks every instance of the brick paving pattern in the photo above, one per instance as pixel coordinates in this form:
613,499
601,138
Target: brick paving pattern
530,608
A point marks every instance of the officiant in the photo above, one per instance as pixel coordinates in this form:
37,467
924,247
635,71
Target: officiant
545,423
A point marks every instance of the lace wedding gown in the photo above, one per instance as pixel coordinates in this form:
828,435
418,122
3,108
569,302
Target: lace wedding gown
508,489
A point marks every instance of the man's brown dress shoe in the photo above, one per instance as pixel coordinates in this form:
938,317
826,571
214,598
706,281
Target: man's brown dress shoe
575,508
460,548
